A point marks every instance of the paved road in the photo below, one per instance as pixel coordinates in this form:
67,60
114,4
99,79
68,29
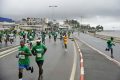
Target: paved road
100,44
97,67
16,42
57,66
58,63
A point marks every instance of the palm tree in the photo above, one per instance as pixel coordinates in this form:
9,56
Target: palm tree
99,28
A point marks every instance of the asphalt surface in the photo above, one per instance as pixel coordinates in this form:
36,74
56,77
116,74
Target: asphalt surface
16,42
57,66
97,67
100,44
58,63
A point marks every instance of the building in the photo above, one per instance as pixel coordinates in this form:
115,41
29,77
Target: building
34,23
6,23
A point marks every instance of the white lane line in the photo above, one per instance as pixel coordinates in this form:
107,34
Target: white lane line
12,49
108,57
8,54
79,50
7,51
81,61
82,70
72,77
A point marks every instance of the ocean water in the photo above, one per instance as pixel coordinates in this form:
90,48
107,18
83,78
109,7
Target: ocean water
114,33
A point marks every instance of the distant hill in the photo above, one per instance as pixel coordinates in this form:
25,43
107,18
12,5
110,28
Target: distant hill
6,20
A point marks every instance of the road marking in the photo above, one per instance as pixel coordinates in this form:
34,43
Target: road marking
7,51
82,70
108,57
72,77
81,60
8,54
81,63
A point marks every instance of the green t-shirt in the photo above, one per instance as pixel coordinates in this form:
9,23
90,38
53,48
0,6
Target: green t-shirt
1,35
43,36
55,35
110,43
39,50
31,38
49,34
23,59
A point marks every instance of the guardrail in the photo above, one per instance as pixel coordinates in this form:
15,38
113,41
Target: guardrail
105,37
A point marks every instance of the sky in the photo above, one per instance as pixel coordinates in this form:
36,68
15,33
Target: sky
93,12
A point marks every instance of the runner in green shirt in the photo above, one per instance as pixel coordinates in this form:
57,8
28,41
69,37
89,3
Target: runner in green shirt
55,36
1,35
24,61
30,39
109,46
43,37
49,35
39,50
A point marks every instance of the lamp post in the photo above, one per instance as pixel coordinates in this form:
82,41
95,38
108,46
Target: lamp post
53,6
53,14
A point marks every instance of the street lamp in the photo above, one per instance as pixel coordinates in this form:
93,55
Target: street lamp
53,6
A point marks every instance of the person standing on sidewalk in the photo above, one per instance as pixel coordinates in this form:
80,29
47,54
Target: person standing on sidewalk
110,45
39,50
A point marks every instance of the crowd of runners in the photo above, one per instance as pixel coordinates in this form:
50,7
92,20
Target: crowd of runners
32,43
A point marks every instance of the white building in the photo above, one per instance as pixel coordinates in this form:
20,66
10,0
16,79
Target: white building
34,23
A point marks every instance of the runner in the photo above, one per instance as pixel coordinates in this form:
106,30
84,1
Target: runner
43,37
24,36
109,46
49,35
24,61
65,39
6,38
61,35
11,37
55,36
1,37
39,50
30,39
69,33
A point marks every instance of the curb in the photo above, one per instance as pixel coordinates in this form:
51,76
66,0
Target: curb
81,63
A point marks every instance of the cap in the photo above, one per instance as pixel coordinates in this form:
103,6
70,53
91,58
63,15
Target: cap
38,40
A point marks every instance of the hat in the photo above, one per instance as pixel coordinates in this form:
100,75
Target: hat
22,41
38,40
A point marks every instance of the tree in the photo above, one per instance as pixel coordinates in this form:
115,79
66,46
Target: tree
99,28
23,19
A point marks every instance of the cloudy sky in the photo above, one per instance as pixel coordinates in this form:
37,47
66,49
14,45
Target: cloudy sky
94,12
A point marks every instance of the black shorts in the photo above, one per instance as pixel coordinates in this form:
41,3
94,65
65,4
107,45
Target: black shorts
40,62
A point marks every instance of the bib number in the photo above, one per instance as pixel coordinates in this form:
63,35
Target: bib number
22,56
30,37
39,55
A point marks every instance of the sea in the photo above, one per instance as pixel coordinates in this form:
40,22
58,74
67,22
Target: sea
113,33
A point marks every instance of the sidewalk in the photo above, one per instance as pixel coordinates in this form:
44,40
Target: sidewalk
97,67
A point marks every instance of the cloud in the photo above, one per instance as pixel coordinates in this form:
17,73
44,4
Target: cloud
89,9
